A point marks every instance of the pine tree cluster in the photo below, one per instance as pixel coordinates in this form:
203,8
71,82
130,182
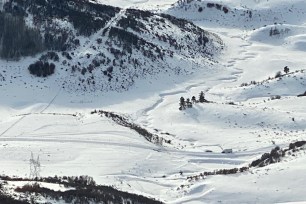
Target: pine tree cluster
16,39
188,103
42,69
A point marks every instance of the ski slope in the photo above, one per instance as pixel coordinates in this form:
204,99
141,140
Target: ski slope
37,116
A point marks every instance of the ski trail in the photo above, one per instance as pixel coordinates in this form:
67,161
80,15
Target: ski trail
113,21
109,24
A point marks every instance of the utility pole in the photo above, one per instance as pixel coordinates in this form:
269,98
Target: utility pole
34,167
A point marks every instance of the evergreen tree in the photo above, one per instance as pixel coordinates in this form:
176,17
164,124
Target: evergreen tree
278,74
271,32
16,39
42,69
193,99
201,97
286,69
188,103
182,104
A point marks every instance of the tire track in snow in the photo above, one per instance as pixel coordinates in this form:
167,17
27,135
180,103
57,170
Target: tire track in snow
13,125
51,102
118,133
145,112
243,55
57,140
25,115
172,93
192,197
246,55
230,63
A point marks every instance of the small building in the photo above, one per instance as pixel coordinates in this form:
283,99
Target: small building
227,151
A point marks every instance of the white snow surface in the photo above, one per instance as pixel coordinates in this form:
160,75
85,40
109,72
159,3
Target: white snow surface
141,4
36,115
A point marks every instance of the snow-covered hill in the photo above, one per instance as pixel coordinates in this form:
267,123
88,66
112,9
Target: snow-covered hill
241,14
141,4
105,48
252,106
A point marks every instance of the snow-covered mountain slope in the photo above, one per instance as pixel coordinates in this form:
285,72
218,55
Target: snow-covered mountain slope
291,85
250,112
106,48
287,35
241,14
141,4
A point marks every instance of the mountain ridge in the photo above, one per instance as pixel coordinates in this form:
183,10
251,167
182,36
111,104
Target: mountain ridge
104,48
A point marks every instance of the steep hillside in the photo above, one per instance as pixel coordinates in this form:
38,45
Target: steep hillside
142,4
102,48
193,127
240,14
82,189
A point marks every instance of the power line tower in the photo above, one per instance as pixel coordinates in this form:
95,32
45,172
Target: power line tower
34,167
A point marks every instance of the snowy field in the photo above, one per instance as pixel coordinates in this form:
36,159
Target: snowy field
38,116
141,4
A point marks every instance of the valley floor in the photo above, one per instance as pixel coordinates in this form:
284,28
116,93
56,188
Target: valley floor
58,127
